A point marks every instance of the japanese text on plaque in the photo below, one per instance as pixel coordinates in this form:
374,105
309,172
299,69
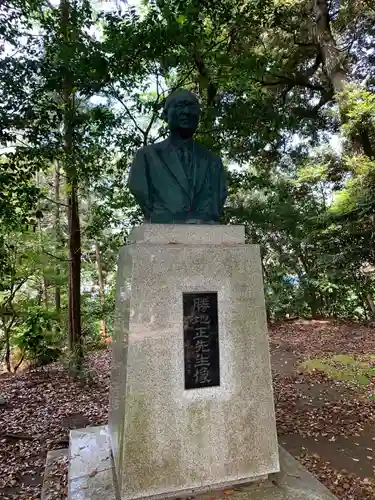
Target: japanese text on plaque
201,340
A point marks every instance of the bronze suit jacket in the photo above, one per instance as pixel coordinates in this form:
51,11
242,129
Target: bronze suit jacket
161,187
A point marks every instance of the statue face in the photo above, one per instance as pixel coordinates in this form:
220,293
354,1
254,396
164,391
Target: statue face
182,114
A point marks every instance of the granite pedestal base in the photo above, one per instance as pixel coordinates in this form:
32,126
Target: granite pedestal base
92,475
168,437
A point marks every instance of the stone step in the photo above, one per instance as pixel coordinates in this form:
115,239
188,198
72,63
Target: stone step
50,482
92,476
91,469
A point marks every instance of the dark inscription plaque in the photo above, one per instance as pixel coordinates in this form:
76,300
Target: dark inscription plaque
201,340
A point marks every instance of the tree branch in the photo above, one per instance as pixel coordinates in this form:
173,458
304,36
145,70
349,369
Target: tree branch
314,68
56,202
50,5
302,44
15,368
325,97
212,88
120,100
17,437
56,257
147,131
297,81
183,79
14,291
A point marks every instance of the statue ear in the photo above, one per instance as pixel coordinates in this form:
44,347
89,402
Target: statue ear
164,115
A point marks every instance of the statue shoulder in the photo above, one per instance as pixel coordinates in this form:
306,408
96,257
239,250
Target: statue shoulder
206,153
150,147
143,151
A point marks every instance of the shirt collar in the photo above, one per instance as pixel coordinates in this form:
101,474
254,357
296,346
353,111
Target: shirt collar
180,143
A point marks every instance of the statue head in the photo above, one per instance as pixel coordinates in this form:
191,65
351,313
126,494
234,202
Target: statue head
181,112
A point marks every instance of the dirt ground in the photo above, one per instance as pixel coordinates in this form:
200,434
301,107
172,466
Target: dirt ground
327,425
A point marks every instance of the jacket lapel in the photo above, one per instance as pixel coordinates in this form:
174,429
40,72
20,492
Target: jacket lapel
201,169
168,156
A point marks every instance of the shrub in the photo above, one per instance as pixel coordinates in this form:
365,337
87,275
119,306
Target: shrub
35,338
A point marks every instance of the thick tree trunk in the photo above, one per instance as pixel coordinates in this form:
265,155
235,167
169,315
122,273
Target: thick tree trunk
103,325
331,55
313,301
74,297
74,271
332,59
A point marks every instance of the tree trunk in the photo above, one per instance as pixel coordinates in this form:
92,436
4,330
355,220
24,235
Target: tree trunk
74,292
74,268
58,243
7,347
313,302
103,325
43,292
210,88
43,289
370,301
7,328
312,293
335,71
331,55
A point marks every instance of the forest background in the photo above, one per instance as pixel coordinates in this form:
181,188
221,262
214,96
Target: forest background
287,90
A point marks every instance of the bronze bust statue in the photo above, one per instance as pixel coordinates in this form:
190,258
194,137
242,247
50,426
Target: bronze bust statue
178,181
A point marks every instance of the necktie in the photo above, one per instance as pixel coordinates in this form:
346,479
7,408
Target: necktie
186,160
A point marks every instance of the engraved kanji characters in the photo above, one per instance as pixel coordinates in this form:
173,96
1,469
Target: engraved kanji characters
201,304
201,331
202,375
202,319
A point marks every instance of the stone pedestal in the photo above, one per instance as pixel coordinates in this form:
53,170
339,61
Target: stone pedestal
91,475
168,440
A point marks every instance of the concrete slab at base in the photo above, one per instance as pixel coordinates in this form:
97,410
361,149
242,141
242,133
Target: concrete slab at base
93,482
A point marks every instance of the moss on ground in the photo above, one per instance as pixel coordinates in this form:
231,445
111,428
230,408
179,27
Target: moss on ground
358,371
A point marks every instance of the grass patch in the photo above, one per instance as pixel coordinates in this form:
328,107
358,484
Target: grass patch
355,371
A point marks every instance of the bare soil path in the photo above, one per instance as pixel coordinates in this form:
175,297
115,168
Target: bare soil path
327,425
